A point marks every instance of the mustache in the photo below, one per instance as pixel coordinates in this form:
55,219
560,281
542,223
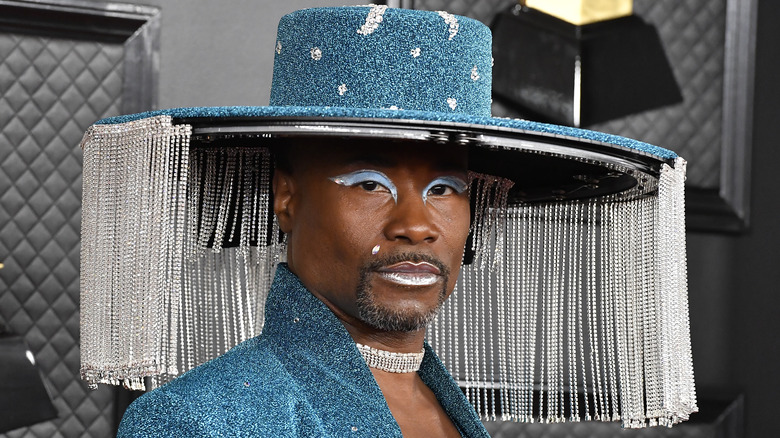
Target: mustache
415,257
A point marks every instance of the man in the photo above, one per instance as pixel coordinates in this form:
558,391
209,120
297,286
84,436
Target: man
410,203
381,132
376,233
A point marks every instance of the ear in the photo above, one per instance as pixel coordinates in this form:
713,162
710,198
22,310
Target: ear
284,190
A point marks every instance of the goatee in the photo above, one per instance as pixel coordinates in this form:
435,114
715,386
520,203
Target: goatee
383,318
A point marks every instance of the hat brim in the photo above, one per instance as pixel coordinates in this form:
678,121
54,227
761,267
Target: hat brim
546,162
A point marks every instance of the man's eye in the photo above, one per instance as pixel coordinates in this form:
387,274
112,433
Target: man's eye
444,186
368,180
370,186
440,190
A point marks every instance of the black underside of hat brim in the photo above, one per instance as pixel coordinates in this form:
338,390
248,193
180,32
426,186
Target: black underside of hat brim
543,167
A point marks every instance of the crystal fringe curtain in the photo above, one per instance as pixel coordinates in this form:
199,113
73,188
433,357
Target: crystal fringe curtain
159,293
570,310
579,312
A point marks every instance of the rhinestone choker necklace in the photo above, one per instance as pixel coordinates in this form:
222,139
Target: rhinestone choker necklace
390,361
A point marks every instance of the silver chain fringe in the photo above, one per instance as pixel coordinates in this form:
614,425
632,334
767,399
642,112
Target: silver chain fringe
570,310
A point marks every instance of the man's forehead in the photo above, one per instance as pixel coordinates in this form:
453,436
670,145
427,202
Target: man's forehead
382,155
398,158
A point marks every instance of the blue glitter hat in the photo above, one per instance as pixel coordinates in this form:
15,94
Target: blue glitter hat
428,75
379,58
176,214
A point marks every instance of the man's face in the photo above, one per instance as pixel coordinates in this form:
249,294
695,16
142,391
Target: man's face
376,231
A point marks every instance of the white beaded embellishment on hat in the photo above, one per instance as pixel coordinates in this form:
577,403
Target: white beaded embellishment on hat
452,102
474,74
415,52
373,20
452,21
278,47
316,53
342,89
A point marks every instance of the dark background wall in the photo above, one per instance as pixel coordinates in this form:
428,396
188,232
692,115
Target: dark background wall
220,53
735,280
753,260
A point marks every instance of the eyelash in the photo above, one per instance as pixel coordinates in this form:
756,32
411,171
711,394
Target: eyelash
444,186
364,185
361,177
457,185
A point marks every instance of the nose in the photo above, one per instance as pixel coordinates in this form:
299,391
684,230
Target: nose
412,221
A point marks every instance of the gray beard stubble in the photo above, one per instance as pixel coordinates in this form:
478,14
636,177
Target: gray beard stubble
383,318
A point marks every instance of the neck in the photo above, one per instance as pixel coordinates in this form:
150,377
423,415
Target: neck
399,342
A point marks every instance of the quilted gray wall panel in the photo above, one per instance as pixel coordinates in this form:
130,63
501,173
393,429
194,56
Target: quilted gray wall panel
51,90
693,34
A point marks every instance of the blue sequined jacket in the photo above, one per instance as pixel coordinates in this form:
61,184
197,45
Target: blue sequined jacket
302,377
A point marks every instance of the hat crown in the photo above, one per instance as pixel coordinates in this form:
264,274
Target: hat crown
383,58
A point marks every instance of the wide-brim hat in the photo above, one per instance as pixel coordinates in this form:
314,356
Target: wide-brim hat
418,75
163,188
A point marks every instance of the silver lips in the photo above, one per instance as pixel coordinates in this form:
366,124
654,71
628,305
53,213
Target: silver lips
410,279
411,273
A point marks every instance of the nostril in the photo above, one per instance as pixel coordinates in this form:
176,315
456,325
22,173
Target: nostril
413,232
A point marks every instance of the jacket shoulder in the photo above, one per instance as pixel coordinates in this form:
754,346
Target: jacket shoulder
245,392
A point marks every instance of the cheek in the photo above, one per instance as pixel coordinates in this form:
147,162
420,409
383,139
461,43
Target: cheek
462,218
454,224
461,224
343,228
455,217
325,241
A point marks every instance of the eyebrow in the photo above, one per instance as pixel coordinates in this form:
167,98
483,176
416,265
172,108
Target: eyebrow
385,162
373,161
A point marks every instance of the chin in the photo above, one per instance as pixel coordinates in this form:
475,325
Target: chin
390,320
405,314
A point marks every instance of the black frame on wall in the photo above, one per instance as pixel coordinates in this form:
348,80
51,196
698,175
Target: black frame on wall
136,27
727,208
